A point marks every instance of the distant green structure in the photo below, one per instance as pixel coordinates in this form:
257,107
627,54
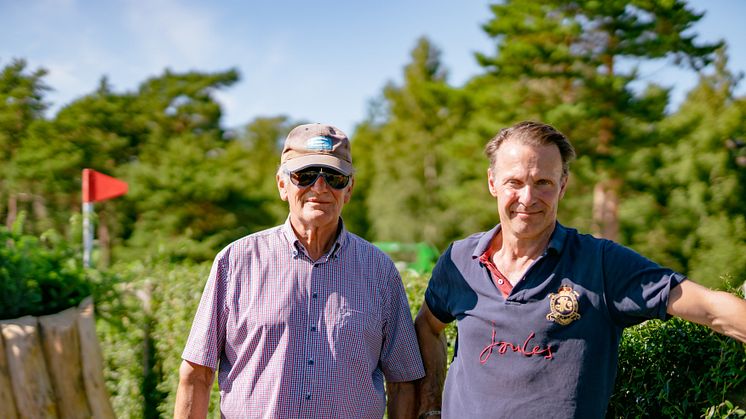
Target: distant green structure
419,257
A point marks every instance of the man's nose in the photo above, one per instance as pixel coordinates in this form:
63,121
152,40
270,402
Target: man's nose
526,196
320,184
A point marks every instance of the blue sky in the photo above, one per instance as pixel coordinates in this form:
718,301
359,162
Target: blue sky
320,61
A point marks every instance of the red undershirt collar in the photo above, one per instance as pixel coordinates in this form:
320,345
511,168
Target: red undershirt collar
500,280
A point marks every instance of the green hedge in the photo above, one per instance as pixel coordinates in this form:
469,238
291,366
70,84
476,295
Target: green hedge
678,369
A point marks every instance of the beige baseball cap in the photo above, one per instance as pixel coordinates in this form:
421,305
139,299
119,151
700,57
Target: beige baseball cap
317,145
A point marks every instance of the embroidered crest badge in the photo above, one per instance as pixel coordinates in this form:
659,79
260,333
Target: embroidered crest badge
563,306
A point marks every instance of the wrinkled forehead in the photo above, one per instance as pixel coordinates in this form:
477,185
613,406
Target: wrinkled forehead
514,154
514,147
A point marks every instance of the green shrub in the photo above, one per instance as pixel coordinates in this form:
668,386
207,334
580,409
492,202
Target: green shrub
677,369
38,275
143,330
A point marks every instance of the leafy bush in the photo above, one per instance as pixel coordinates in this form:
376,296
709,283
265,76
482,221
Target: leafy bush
38,275
143,330
677,369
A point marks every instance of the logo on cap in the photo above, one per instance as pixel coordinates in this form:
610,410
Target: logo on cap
319,144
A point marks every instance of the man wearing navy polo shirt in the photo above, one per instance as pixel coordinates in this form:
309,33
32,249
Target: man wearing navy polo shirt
303,320
540,308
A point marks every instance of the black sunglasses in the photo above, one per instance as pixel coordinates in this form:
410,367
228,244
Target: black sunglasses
307,177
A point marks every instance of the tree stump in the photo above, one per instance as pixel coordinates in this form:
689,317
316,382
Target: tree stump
7,404
93,367
59,336
52,367
34,396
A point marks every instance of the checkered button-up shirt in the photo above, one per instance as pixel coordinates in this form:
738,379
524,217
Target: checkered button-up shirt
294,338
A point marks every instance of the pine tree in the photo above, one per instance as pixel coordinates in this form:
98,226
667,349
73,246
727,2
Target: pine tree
688,211
582,55
404,177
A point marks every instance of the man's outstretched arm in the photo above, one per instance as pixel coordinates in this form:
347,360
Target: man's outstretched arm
723,312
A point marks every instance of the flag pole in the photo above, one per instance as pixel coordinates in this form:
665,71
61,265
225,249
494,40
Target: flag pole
87,233
87,212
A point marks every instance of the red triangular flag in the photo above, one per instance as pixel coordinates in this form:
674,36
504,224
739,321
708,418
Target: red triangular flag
99,187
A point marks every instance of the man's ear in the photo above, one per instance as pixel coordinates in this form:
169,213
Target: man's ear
282,186
563,185
348,191
491,182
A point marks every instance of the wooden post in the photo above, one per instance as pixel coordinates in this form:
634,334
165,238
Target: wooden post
59,336
7,404
33,392
93,363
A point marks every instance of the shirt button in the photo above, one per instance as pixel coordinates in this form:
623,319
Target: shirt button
308,396
314,295
500,281
313,328
310,362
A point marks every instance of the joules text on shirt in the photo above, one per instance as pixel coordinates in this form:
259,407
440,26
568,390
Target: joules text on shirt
501,347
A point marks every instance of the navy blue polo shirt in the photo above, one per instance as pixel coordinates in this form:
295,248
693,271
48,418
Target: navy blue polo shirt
550,348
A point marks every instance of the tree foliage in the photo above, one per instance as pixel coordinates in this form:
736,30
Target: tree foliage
578,60
687,206
406,174
38,275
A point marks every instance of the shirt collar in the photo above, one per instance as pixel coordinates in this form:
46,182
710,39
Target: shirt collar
556,241
484,242
341,239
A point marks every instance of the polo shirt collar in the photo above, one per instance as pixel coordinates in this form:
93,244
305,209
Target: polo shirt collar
484,242
556,241
339,242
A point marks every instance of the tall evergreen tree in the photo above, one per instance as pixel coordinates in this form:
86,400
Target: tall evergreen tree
408,153
261,144
21,105
688,212
583,55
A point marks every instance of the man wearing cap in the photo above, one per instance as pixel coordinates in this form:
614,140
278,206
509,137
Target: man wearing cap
304,319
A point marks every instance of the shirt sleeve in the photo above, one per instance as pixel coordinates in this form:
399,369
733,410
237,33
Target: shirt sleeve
207,336
400,355
440,288
637,288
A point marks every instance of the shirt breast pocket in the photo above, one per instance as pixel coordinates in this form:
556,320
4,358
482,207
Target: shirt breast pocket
351,329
